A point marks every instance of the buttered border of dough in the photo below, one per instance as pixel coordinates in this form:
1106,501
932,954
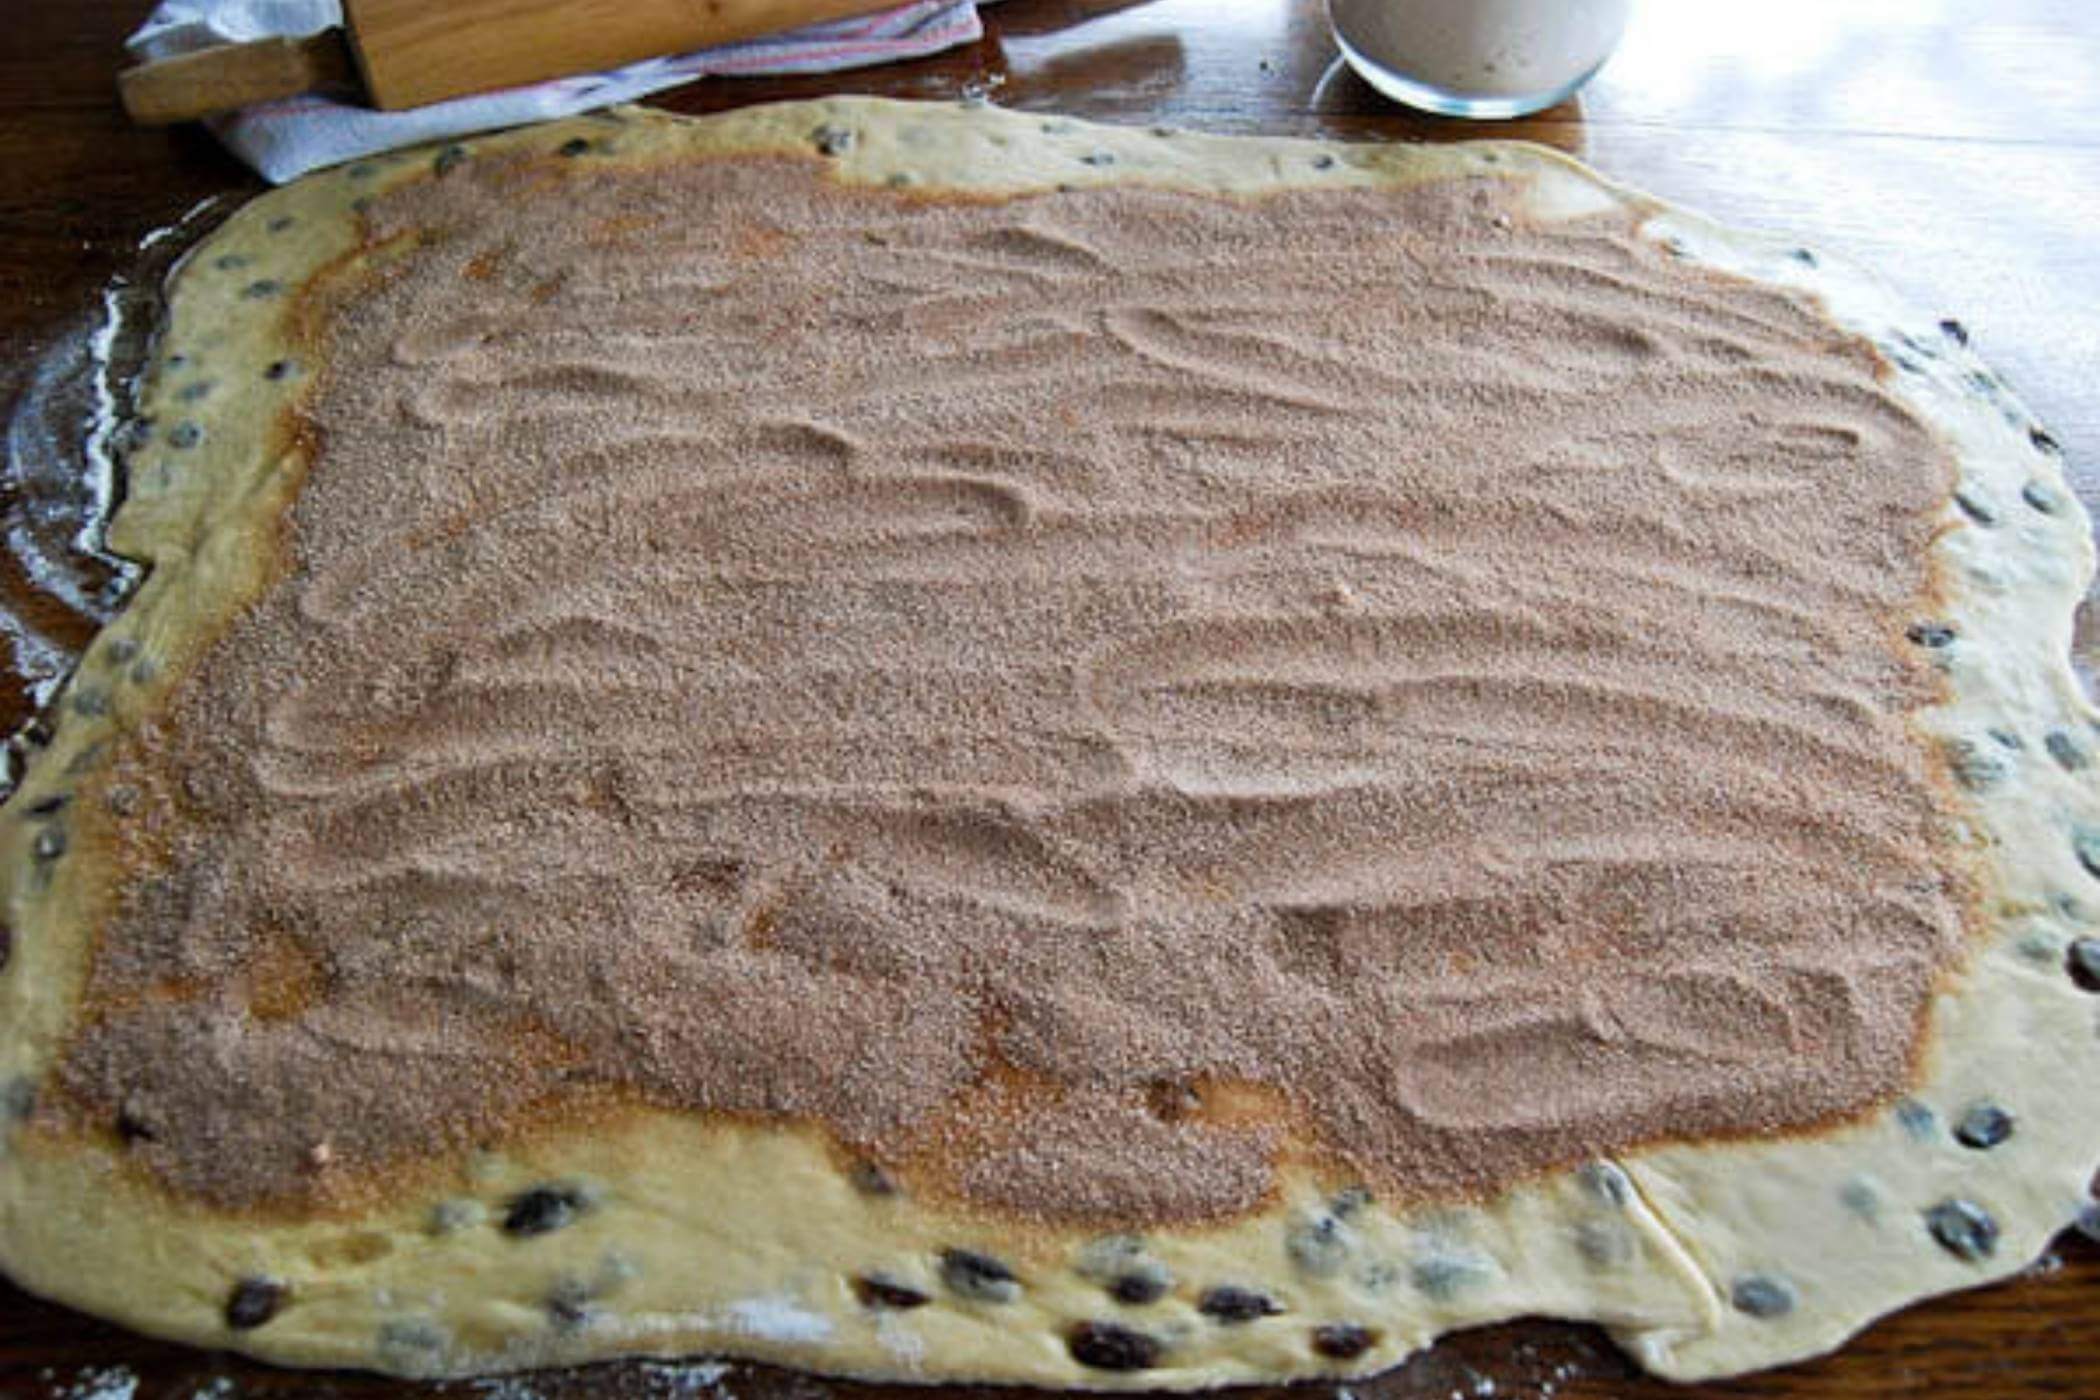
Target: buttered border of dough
655,1233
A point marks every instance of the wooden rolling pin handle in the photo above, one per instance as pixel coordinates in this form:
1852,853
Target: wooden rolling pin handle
414,52
193,85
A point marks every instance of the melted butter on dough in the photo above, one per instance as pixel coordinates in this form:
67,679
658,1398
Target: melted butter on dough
1064,692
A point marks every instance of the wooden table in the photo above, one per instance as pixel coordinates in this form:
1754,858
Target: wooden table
1954,146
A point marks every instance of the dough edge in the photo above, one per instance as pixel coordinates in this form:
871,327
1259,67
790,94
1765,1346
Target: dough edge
1652,1244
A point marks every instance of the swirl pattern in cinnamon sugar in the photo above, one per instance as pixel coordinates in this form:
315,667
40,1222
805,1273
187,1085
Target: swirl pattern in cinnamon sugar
1078,696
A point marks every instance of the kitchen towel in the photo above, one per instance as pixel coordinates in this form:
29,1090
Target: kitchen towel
287,138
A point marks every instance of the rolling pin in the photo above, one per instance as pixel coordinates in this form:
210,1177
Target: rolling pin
406,53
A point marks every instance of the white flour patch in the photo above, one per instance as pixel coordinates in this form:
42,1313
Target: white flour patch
100,1383
684,1380
60,409
104,414
777,1320
158,236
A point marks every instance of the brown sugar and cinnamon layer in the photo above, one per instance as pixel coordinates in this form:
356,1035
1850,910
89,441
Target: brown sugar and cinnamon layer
1062,692
937,744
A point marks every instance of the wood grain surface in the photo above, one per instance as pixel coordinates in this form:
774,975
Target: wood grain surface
1952,144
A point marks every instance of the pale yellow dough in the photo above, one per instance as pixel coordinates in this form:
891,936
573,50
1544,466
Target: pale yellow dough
711,1238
